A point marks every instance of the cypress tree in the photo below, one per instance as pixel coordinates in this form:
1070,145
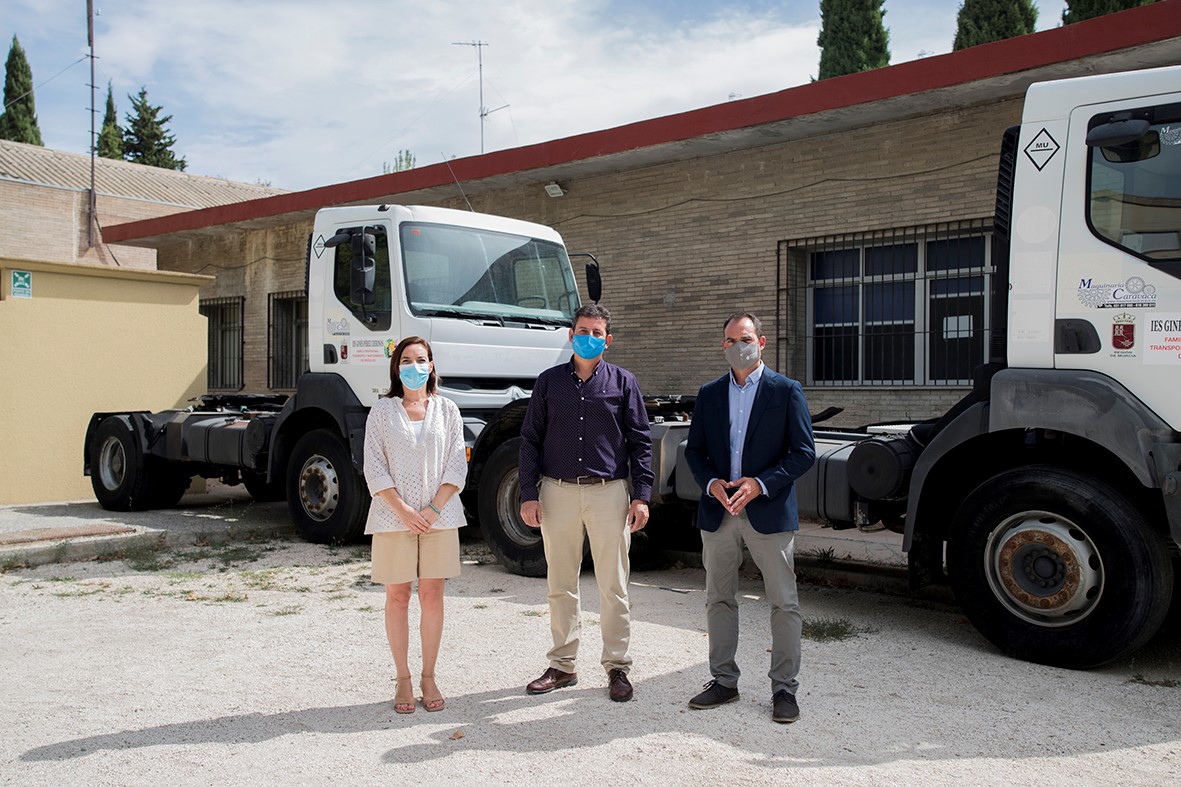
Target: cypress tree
984,21
19,121
110,138
146,139
852,37
1078,10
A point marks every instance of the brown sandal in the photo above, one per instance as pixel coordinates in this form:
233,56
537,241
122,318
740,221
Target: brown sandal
404,707
434,703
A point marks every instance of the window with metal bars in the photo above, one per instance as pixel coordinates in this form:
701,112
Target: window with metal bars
287,339
901,307
225,343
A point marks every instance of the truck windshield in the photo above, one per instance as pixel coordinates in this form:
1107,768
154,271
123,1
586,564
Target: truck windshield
466,272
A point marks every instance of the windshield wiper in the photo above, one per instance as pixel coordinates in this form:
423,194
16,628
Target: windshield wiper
463,315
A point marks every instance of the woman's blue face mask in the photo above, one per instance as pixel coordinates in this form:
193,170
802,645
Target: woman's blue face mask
414,375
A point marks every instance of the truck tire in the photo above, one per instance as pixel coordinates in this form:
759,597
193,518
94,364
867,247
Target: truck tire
327,497
264,491
124,478
1058,568
517,546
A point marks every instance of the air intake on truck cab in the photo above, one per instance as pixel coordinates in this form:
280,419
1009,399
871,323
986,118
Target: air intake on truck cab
1002,229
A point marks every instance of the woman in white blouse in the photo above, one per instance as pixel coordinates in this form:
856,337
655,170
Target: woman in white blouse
415,464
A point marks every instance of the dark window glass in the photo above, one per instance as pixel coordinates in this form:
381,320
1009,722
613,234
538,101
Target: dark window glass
834,354
955,253
841,264
835,305
224,370
955,336
891,260
288,341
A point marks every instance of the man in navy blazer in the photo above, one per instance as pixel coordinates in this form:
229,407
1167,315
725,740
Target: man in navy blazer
750,439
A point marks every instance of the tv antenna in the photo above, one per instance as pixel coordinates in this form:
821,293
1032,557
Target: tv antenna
484,111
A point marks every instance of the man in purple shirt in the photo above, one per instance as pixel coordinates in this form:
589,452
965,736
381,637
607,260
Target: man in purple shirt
585,433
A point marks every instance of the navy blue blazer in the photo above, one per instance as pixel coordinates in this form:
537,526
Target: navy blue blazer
777,451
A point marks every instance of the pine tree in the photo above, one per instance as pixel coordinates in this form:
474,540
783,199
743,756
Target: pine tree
852,37
1078,10
984,21
403,162
19,121
146,140
110,138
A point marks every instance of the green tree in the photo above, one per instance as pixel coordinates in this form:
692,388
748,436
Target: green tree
110,138
852,37
19,121
404,161
984,21
146,139
1078,10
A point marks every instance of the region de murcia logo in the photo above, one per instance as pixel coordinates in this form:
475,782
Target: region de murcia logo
1123,331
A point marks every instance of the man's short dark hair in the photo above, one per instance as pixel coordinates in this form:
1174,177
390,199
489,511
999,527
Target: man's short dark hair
755,321
592,311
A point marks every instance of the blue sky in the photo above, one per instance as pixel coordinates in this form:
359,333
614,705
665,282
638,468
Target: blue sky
303,93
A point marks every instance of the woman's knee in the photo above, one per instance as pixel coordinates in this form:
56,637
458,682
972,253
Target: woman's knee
430,592
398,595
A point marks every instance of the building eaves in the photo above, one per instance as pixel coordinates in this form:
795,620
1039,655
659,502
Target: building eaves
1138,38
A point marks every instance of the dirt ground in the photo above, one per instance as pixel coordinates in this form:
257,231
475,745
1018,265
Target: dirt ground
267,663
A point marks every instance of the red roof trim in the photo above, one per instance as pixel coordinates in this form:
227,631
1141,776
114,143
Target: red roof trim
1122,30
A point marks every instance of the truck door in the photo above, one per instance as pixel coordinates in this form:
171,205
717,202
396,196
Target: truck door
1120,248
360,327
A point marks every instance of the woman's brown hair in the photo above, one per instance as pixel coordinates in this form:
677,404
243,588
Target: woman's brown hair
396,389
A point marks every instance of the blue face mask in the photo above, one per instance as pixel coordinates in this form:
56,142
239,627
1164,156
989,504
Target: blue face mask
587,346
414,375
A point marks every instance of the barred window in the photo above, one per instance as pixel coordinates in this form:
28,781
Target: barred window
225,343
902,307
287,338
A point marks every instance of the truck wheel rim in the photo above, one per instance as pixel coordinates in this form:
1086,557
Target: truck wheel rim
112,463
1044,569
508,510
319,488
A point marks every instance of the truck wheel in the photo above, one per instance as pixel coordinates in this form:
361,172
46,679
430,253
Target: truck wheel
1058,568
327,497
264,491
123,478
517,546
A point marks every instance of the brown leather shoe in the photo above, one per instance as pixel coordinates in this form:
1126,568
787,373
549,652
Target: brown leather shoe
618,686
552,679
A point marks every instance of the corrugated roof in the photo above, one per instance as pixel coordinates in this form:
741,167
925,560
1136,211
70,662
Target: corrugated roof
56,168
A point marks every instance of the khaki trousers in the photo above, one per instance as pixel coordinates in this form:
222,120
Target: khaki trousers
568,511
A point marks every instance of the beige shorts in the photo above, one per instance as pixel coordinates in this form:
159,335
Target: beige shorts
404,556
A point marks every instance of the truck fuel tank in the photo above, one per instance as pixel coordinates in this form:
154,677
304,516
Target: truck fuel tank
879,468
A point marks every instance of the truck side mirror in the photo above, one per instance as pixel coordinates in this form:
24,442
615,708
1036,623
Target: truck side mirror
1117,132
364,269
594,281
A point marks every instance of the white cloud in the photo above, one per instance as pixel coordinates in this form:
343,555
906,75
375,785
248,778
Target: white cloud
303,93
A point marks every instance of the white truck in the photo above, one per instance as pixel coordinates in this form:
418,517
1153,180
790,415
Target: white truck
1048,497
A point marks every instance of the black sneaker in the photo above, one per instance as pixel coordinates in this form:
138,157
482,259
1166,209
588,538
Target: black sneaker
784,707
715,694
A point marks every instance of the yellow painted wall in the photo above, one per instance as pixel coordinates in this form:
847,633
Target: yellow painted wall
89,339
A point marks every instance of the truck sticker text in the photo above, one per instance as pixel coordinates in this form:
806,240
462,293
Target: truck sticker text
1131,294
1123,335
338,327
369,351
1162,340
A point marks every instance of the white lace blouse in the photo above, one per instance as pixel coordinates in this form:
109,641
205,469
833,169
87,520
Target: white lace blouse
415,465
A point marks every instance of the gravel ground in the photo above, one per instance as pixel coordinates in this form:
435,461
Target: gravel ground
267,663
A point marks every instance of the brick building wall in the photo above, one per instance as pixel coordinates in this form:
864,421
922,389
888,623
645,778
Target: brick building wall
683,244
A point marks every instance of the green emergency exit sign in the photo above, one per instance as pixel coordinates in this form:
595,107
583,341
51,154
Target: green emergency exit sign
22,284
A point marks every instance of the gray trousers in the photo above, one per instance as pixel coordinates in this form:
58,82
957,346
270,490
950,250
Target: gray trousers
774,555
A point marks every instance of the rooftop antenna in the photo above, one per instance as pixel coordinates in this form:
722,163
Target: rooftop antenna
93,139
484,111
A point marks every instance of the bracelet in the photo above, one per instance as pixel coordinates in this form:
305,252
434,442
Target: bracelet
432,507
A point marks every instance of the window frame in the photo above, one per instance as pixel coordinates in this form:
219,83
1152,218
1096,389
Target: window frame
973,281
219,371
